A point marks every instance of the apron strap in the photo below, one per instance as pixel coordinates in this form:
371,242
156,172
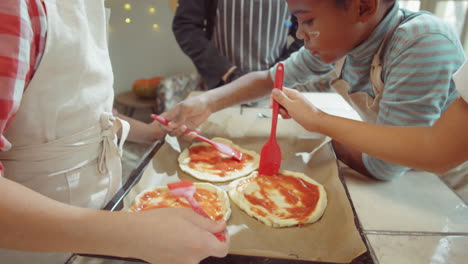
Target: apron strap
377,62
366,106
339,66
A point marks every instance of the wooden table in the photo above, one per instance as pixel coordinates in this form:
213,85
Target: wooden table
129,102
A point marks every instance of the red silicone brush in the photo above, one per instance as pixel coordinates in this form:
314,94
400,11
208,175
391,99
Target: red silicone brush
270,156
223,148
186,189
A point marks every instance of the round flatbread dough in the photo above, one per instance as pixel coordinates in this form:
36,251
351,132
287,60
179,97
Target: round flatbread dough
286,199
212,199
203,162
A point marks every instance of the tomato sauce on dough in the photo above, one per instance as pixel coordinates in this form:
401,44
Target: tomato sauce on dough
300,197
163,198
221,163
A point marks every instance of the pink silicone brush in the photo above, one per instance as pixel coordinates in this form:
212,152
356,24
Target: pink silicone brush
186,189
223,148
270,156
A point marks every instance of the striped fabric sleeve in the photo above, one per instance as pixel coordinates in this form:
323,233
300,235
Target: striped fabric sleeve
301,67
418,87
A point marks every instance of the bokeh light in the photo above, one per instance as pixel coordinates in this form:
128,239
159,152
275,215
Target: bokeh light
156,27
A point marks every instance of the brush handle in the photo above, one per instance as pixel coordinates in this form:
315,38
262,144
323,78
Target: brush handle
164,121
160,119
196,206
279,77
199,210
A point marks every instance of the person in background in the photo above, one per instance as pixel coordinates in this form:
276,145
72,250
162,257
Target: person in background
227,38
394,67
59,159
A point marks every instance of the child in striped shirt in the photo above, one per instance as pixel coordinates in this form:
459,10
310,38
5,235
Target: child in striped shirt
393,66
436,148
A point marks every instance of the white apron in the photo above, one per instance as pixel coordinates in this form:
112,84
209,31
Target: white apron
64,135
368,108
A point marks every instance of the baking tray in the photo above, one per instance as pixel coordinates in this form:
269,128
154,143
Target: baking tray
254,139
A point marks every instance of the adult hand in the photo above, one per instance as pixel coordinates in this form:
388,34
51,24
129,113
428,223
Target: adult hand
176,236
188,114
296,106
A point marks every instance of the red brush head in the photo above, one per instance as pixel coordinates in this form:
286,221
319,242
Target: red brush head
179,184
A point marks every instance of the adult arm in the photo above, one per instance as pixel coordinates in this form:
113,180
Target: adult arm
194,39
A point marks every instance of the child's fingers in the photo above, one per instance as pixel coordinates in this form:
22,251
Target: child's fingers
284,113
188,136
291,93
208,224
280,97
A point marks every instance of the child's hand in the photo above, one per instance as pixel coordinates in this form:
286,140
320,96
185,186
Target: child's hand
176,236
298,108
188,114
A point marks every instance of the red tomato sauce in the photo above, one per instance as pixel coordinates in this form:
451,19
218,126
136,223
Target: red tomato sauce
215,160
300,196
163,199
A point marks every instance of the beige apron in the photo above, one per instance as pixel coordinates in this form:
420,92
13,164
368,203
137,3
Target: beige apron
64,135
368,109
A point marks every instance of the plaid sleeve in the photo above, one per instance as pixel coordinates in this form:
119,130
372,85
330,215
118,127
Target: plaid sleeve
22,40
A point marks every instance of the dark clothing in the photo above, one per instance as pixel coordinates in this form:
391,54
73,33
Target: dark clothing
194,24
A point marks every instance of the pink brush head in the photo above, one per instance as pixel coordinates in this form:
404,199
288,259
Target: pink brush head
186,189
180,184
182,188
223,148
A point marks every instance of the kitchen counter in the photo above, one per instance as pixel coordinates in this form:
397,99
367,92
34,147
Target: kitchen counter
414,219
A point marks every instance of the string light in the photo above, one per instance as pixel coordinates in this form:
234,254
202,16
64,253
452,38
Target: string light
156,27
151,11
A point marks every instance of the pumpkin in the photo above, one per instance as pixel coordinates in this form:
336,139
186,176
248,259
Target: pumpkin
146,88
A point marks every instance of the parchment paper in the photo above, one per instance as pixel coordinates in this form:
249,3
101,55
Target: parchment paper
334,238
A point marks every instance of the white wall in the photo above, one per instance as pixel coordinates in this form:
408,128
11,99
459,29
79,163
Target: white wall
139,51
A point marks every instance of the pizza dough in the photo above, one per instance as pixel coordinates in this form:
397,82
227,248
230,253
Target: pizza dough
212,199
203,162
285,199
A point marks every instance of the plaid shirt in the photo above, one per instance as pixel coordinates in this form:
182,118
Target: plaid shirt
22,40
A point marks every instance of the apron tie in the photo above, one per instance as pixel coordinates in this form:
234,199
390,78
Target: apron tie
110,125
